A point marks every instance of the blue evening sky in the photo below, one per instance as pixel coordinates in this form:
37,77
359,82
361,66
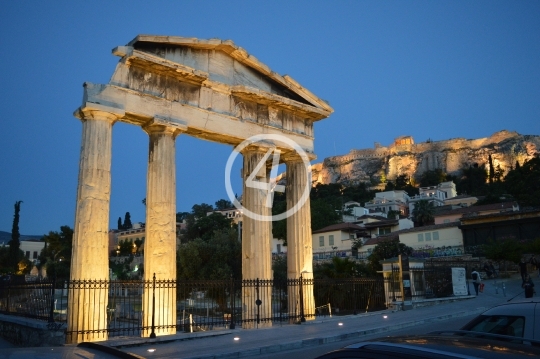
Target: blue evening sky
430,69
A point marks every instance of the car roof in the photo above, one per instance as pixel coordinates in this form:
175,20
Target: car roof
438,345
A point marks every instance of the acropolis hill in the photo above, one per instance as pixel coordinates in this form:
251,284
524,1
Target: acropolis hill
412,159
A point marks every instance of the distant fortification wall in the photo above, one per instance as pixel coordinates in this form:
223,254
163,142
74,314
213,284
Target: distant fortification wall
413,159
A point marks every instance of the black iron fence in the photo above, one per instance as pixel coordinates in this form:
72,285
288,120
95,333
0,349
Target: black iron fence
200,305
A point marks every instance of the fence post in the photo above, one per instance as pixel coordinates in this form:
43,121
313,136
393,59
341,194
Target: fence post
258,302
153,334
302,317
231,325
354,295
51,312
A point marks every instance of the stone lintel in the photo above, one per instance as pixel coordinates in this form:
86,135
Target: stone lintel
206,124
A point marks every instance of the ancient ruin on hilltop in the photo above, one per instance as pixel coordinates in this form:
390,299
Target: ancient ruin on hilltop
412,159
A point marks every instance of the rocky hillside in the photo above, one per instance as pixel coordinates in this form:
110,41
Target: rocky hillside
406,157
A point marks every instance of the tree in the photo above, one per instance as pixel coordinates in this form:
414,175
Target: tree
180,216
201,225
120,227
127,222
201,210
491,173
422,213
223,204
385,250
432,177
15,253
279,228
323,214
523,182
217,257
503,250
339,268
473,180
56,255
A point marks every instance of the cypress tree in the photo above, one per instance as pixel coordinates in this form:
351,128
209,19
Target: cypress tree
127,221
15,243
491,170
120,227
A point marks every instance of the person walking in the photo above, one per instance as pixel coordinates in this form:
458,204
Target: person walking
522,268
476,280
528,285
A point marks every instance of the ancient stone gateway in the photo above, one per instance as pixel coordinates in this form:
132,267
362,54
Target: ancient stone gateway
210,89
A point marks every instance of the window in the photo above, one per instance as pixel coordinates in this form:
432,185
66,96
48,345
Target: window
498,324
279,248
428,236
321,241
35,255
331,240
435,236
384,230
28,254
446,221
420,237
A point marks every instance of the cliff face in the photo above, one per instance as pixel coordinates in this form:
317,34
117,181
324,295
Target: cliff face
406,157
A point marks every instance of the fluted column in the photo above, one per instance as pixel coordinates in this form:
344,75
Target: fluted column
299,241
256,243
160,241
87,306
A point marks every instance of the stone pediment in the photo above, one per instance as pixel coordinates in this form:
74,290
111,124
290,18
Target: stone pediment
209,89
220,64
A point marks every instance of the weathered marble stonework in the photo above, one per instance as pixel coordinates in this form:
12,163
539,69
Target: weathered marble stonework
209,89
369,165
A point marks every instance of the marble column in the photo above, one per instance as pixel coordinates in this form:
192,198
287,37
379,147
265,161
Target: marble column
87,306
159,301
256,245
299,241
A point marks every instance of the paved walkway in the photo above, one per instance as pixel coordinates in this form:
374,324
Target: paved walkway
222,344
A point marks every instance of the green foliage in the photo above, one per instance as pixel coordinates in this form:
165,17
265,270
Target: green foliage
386,250
279,267
56,256
358,193
340,268
473,181
323,213
422,213
504,250
432,178
279,228
223,204
180,216
127,222
201,210
523,182
15,254
217,257
204,227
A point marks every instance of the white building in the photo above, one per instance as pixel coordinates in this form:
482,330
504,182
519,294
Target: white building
389,201
434,194
31,248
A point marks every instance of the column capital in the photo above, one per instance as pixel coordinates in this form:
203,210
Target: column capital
293,157
164,125
94,111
